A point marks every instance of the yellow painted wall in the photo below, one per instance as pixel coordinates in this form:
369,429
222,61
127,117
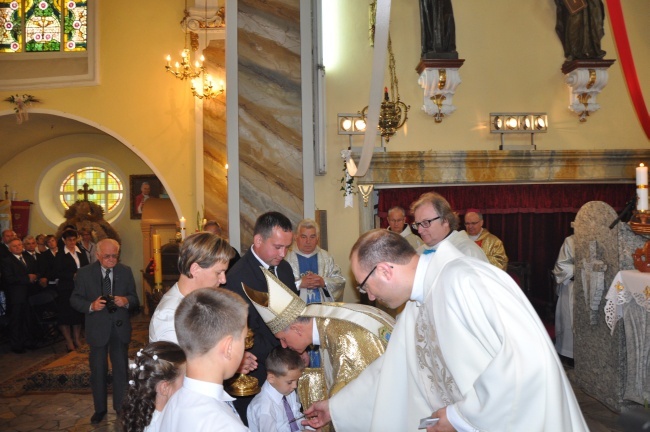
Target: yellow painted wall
151,112
512,63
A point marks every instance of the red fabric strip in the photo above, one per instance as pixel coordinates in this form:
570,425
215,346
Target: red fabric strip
627,63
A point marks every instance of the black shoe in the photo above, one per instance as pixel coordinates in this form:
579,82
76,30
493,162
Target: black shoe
97,417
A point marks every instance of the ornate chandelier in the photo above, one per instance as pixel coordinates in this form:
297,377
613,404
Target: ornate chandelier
196,72
393,113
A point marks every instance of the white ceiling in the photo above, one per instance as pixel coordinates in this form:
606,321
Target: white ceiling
16,138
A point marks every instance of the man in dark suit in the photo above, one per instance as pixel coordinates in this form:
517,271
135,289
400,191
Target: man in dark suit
108,329
272,236
7,236
18,276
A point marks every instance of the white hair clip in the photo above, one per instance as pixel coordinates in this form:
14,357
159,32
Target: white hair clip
141,367
133,366
139,353
155,357
131,382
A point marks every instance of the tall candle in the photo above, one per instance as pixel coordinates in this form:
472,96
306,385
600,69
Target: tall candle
182,221
157,260
642,188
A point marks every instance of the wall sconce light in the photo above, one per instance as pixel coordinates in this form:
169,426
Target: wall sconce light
518,123
355,124
351,124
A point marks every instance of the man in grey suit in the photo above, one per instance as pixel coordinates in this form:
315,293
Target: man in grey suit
105,292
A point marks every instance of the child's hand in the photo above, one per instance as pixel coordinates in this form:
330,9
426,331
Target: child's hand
248,363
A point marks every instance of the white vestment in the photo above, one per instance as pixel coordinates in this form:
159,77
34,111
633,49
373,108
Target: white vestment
474,342
413,240
463,243
563,273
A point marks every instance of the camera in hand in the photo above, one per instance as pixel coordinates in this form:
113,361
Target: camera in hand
110,303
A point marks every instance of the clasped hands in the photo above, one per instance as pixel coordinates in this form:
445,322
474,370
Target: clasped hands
311,281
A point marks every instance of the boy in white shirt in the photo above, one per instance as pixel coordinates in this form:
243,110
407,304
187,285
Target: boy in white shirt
211,327
276,407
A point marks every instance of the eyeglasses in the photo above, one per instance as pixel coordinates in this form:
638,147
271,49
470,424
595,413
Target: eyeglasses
360,287
424,224
396,220
471,223
110,256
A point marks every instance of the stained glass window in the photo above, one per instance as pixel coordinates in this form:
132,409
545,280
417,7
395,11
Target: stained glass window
106,186
43,26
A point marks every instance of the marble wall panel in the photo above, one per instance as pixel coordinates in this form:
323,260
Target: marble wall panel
465,167
215,181
270,131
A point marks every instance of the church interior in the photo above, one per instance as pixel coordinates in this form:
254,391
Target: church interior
265,132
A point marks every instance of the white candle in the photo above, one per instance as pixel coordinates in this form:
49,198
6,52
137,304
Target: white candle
182,228
642,188
642,175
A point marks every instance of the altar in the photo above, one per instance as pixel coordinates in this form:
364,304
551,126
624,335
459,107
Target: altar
611,318
628,299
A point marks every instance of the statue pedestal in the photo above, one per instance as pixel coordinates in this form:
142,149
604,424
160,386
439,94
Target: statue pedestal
586,79
439,79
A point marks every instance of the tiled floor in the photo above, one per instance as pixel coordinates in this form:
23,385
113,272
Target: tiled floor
71,412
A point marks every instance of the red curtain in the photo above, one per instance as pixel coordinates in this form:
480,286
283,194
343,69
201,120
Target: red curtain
531,220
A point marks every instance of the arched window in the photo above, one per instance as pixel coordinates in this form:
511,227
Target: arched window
107,189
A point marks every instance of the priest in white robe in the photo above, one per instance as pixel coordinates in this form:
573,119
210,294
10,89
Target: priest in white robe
468,349
436,222
563,274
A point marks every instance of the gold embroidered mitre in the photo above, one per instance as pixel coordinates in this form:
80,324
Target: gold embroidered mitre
279,307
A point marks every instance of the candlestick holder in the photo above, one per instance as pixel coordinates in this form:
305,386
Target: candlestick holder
639,223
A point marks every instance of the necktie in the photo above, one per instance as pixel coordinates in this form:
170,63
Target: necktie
106,287
290,417
22,260
272,270
428,251
232,407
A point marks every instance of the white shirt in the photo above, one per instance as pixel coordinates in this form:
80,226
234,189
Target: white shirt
73,255
200,406
266,411
162,321
154,424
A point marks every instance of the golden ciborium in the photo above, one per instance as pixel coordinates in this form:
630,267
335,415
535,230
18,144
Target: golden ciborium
245,385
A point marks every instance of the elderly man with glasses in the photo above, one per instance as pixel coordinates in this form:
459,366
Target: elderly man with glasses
491,244
397,223
436,222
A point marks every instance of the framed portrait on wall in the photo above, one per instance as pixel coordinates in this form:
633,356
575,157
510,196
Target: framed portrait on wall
143,187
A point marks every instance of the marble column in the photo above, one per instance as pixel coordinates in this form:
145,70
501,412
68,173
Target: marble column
215,181
270,130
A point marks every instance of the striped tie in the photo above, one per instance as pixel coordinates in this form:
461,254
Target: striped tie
106,287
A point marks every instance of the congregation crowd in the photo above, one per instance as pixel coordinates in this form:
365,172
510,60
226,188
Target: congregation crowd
466,350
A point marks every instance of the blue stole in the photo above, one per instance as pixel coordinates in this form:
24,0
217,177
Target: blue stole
310,265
